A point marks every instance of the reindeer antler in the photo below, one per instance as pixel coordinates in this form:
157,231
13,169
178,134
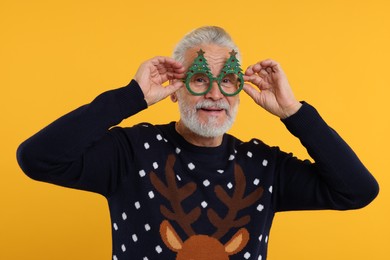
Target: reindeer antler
234,203
175,196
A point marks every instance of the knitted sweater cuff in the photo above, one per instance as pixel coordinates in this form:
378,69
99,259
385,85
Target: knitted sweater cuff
305,121
130,99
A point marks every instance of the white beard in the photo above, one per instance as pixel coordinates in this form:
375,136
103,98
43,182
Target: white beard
210,128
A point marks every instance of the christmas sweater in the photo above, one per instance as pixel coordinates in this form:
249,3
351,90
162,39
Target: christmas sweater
169,199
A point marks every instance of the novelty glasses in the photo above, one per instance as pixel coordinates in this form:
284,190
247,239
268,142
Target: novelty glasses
199,79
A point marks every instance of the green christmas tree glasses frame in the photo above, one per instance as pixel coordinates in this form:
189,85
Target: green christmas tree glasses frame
199,79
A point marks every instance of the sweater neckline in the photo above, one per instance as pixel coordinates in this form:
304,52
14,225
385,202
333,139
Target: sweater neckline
194,148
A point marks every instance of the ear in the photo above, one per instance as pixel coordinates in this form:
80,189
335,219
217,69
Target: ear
238,242
170,237
174,97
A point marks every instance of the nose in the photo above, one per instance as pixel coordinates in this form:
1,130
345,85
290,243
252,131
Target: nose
214,93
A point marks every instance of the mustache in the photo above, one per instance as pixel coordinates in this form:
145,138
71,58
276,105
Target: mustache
220,104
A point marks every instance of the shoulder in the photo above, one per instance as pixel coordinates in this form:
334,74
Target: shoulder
141,132
256,145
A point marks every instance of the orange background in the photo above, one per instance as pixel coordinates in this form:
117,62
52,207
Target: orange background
58,55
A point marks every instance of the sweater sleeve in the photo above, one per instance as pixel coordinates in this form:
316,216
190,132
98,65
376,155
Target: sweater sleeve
336,179
78,150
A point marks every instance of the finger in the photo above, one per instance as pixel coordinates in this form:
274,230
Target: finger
249,71
263,72
178,76
255,68
164,64
273,65
168,75
173,87
167,60
168,68
256,80
172,64
251,91
268,63
263,68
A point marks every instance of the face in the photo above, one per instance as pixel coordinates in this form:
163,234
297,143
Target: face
211,114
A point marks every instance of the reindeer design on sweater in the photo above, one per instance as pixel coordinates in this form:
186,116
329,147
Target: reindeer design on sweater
201,246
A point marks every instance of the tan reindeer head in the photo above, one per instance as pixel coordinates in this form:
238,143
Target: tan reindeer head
200,246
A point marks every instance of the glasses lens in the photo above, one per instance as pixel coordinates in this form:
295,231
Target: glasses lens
199,83
231,84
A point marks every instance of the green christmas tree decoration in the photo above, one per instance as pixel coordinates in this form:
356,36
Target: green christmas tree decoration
199,65
232,66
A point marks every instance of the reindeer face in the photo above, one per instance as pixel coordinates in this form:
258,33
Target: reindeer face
204,247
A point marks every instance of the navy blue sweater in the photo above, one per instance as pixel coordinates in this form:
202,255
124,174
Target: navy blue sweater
170,199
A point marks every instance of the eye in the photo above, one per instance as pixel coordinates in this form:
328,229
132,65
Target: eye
229,80
200,79
226,80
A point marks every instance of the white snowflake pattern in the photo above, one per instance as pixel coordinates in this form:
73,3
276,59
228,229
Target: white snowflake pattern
137,205
115,226
206,183
249,154
220,171
147,146
134,237
270,189
123,248
204,204
158,249
177,150
155,165
159,137
256,182
231,157
142,173
147,227
151,194
265,162
191,166
124,216
247,255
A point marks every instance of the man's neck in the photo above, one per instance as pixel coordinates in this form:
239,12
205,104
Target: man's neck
196,139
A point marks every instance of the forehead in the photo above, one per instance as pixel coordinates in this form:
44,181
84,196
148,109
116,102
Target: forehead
214,54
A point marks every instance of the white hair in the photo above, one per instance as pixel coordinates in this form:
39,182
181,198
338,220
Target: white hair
204,35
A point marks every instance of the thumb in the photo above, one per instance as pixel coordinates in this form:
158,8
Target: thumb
251,91
173,87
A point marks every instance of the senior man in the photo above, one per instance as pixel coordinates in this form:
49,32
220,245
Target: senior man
187,189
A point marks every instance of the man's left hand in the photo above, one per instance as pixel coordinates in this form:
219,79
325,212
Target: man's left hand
274,93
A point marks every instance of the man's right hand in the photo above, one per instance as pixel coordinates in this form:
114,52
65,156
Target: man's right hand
154,72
